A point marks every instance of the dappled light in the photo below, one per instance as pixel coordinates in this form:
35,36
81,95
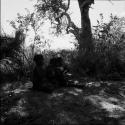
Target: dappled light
66,105
57,95
19,109
83,85
114,110
113,106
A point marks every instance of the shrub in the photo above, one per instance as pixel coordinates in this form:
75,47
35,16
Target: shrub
107,61
108,50
11,56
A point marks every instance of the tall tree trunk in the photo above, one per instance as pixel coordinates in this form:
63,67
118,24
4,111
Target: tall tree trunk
85,43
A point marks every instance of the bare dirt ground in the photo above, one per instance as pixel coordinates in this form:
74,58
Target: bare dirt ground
98,103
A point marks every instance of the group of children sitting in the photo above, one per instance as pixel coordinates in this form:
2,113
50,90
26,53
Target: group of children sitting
51,77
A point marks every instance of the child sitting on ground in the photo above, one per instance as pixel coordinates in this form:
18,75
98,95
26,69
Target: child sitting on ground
55,72
40,83
38,72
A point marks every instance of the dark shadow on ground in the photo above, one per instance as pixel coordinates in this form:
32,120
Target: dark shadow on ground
95,104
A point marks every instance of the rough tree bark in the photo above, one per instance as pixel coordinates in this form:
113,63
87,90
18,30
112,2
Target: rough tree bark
85,43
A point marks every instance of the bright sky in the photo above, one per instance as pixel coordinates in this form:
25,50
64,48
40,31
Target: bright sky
10,8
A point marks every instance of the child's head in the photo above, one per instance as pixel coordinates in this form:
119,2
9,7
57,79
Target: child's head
38,59
59,61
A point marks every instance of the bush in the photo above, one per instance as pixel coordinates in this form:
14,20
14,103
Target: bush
11,59
107,61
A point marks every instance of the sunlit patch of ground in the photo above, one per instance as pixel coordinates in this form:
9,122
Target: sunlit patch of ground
114,110
19,109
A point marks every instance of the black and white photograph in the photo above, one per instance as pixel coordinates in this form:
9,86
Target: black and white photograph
62,62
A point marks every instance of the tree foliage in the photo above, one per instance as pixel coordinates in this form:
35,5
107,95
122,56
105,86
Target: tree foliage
109,46
109,32
54,10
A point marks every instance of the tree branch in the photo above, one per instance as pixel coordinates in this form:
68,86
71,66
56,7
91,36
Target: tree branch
67,6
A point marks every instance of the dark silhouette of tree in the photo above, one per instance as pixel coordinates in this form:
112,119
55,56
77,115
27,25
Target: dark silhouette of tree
56,10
